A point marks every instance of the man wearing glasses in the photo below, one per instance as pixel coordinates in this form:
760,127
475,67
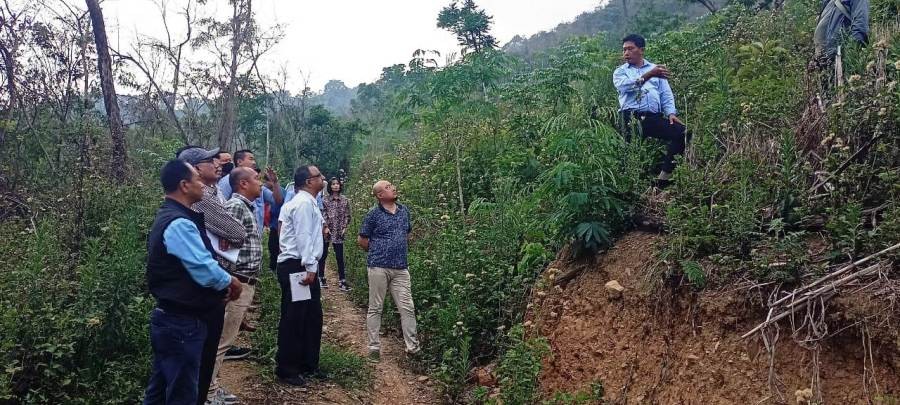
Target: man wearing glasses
300,326
231,233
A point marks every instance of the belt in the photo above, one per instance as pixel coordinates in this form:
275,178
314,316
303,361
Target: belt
244,279
638,113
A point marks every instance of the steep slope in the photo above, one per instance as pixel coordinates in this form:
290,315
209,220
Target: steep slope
650,346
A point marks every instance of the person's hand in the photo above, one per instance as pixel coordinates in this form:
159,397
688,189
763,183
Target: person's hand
270,174
326,232
234,289
308,278
658,71
223,245
673,119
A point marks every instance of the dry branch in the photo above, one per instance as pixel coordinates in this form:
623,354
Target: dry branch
824,292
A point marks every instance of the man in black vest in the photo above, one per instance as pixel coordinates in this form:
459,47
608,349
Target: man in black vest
188,285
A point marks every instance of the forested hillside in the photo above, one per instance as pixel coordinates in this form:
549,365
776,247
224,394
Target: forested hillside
510,168
615,19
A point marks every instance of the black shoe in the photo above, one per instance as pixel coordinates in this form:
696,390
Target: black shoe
662,183
345,287
319,374
236,353
297,381
323,283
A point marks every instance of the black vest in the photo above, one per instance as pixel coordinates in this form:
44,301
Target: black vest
167,278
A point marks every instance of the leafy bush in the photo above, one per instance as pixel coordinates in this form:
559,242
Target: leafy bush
75,321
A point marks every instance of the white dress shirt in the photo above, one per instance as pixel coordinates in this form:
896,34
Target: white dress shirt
301,231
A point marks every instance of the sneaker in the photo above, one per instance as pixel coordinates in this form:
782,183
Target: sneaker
236,353
345,287
297,381
323,283
374,356
226,397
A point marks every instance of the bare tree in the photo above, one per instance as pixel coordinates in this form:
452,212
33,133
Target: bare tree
174,53
12,25
110,100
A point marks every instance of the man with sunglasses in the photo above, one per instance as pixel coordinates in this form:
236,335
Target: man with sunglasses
231,233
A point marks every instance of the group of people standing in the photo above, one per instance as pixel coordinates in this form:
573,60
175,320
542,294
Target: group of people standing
205,259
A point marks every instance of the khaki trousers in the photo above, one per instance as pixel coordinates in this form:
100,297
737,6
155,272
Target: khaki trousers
234,314
397,281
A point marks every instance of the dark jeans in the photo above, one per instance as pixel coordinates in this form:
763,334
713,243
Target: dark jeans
321,270
214,321
177,342
300,326
339,258
655,125
274,248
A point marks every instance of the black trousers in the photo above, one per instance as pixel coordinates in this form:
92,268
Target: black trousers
214,320
300,326
321,272
656,125
274,248
338,257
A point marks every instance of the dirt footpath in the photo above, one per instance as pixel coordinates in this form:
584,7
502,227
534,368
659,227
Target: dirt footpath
345,325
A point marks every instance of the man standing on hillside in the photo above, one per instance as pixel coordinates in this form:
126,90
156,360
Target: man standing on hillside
645,95
384,235
300,326
232,234
188,285
247,188
850,17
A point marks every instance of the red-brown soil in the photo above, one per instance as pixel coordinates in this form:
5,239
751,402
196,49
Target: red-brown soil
654,346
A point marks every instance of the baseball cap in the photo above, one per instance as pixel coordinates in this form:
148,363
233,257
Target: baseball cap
196,155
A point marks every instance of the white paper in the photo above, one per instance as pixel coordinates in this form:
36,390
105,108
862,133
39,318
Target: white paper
299,292
231,254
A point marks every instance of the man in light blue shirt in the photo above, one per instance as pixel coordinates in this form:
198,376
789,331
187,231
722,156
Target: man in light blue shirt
644,94
189,287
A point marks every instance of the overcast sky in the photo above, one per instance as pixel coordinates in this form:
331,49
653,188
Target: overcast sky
351,40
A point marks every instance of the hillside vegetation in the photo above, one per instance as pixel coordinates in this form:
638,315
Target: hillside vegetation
504,165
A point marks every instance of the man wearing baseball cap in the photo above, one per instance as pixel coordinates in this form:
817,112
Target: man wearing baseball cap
230,231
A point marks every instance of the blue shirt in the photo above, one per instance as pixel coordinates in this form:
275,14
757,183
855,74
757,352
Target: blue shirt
267,196
387,234
654,95
275,209
182,240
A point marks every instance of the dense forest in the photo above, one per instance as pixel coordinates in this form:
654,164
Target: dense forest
509,159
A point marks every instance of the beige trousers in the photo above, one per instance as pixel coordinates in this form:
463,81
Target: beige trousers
382,280
234,314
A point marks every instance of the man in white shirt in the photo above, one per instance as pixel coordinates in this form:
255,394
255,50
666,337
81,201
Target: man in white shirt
300,327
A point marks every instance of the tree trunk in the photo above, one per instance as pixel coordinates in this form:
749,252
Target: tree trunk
462,201
110,100
709,5
229,97
9,64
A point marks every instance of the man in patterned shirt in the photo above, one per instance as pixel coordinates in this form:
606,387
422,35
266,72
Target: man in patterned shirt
247,187
384,235
231,234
